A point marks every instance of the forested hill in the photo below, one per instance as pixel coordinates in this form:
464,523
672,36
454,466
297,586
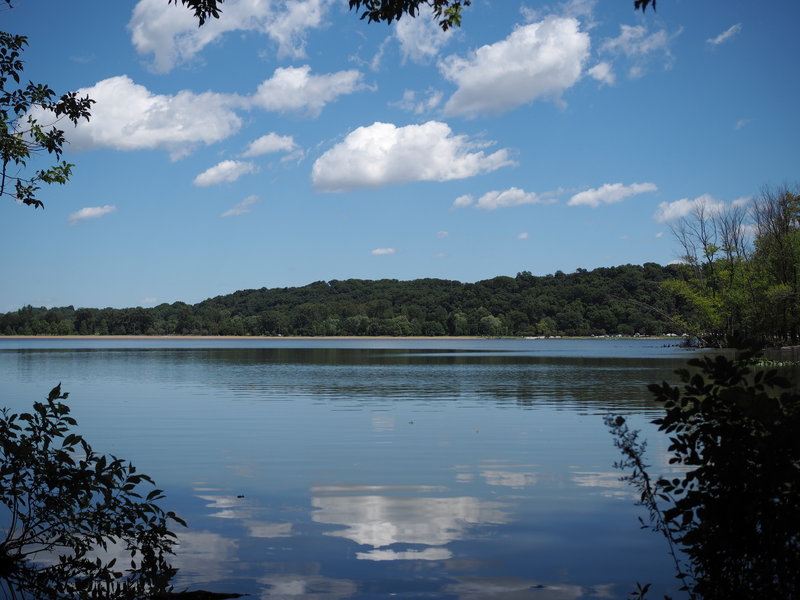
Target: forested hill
626,300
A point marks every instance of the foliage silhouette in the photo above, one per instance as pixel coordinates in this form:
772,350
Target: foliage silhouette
730,518
67,511
446,13
21,132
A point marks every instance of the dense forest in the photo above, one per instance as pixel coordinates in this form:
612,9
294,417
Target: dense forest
740,278
623,300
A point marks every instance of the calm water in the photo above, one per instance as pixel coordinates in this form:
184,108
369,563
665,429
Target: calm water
329,470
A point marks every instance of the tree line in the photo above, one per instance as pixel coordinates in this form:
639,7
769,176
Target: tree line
739,279
740,276
626,300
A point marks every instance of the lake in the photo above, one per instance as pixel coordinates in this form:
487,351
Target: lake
360,469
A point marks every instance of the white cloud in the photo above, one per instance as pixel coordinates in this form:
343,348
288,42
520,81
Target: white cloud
383,251
172,37
537,60
638,45
296,89
725,35
383,153
634,41
463,201
442,234
266,144
660,235
242,207
523,236
670,211
224,172
741,123
288,27
504,198
603,73
610,193
418,105
127,116
91,212
421,39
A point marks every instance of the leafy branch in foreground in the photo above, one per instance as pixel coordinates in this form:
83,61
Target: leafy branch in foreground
22,134
730,518
446,13
66,512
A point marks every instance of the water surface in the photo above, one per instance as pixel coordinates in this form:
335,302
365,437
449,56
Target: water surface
334,469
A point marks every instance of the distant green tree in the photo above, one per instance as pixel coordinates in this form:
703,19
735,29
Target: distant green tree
490,326
776,260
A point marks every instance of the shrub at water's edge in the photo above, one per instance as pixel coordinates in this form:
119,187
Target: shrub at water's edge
730,515
67,511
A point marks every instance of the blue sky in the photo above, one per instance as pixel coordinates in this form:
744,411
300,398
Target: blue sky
291,142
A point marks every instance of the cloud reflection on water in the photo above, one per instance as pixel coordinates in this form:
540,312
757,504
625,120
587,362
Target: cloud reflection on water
287,586
381,521
204,556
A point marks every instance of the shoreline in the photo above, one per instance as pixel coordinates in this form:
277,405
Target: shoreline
323,337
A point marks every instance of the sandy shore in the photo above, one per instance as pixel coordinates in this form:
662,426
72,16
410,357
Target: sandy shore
316,337
238,337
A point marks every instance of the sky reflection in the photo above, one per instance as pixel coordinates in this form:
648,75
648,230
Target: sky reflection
382,521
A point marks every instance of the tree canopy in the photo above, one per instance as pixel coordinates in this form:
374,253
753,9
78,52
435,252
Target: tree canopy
23,134
624,300
737,285
447,13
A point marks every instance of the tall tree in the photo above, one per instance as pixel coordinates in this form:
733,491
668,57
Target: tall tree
776,217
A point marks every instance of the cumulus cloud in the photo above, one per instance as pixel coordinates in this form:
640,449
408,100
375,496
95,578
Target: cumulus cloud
288,26
670,211
463,201
90,212
421,39
504,198
603,73
172,37
610,193
640,46
241,208
417,103
383,251
296,89
537,60
127,116
224,172
522,236
267,144
725,35
383,153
